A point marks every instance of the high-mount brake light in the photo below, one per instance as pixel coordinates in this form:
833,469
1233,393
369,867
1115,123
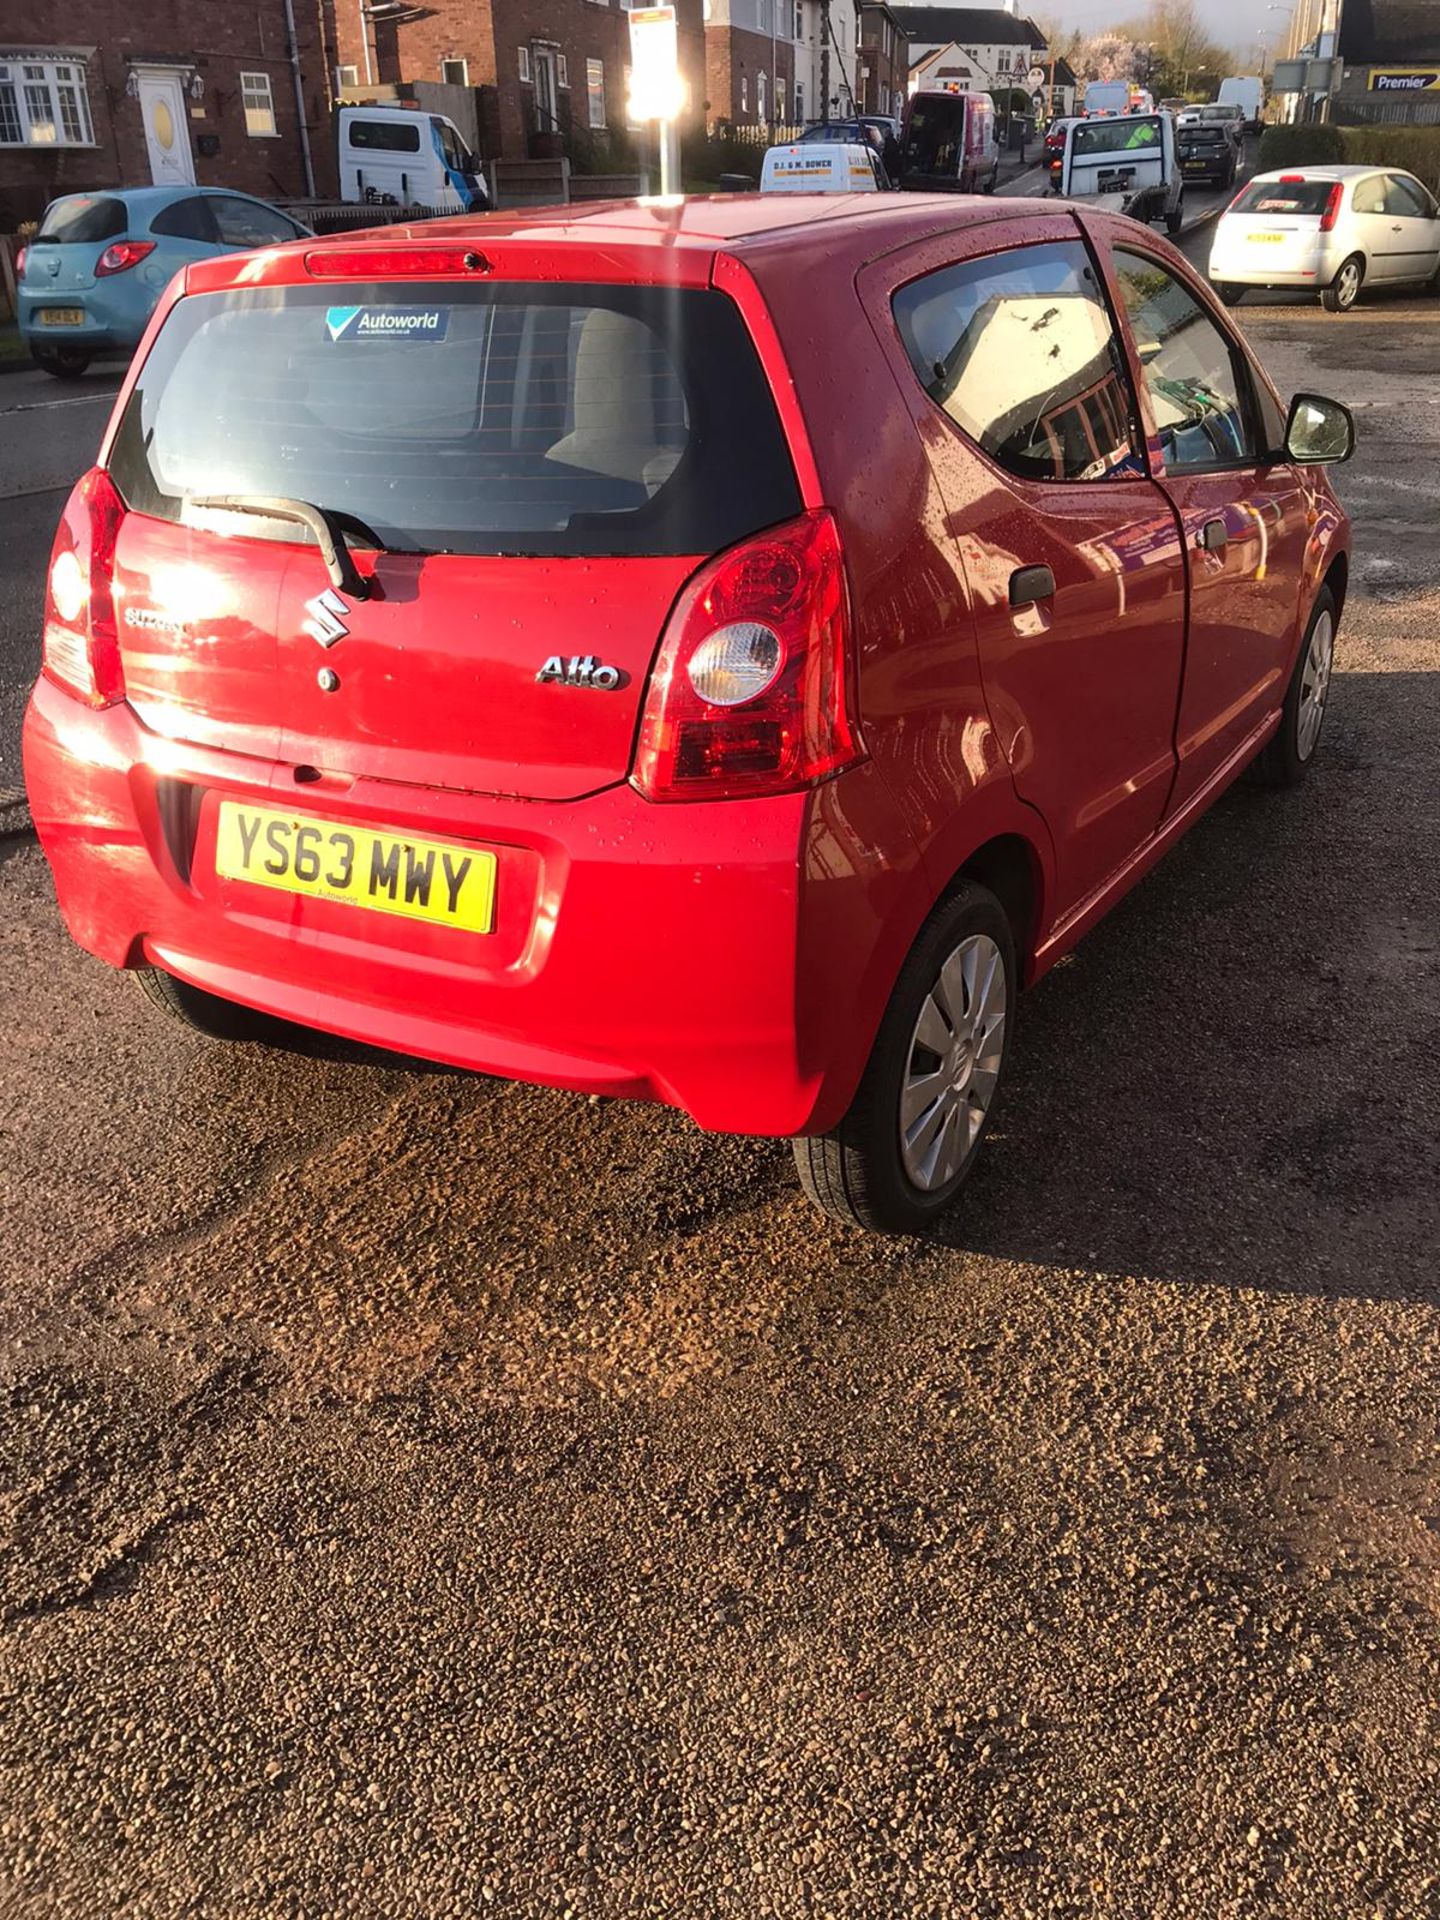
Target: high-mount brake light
753,691
80,647
394,263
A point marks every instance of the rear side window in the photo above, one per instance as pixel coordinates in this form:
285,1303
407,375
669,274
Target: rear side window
184,220
83,218
545,419
386,136
1020,350
1285,196
245,223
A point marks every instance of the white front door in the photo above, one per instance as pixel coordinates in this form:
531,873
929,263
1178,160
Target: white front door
547,104
167,129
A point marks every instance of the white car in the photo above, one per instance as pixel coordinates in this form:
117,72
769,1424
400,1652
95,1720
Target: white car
1330,230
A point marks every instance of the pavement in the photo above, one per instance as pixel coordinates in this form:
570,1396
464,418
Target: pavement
425,1495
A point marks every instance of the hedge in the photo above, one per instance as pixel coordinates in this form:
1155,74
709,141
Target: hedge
1416,149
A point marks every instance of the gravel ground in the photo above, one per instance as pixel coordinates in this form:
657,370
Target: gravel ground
423,1495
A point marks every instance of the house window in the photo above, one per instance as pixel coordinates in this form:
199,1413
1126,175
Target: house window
744,94
562,71
259,107
595,91
455,73
799,20
43,103
780,97
347,77
800,102
760,96
524,66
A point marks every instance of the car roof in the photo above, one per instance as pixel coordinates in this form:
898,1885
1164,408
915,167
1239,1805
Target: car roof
705,222
1323,173
152,199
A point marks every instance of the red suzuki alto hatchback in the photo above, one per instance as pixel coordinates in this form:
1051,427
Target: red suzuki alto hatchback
712,652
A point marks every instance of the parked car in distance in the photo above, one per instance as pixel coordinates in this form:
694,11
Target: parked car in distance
948,143
1247,92
407,157
1329,230
874,130
92,276
1207,153
1130,159
789,637
823,167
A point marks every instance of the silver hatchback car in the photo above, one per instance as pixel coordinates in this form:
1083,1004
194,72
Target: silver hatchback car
1328,230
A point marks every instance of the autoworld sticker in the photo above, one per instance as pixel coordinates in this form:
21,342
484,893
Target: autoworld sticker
387,323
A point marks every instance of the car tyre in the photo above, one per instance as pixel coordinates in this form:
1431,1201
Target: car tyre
1287,757
957,988
1175,218
1344,290
64,363
1231,293
204,1012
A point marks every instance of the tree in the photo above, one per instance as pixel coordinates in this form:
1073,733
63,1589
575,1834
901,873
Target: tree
1182,50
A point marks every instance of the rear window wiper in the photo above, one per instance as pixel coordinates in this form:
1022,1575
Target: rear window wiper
328,527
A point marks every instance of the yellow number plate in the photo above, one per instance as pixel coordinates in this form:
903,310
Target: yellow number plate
422,879
1272,239
62,316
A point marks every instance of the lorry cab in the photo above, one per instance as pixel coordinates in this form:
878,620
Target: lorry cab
829,166
948,143
404,157
1130,161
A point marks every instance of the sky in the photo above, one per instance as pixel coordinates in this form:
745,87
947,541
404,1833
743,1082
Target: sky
1230,23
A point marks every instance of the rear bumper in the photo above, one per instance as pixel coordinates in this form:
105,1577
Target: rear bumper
1245,266
114,320
649,952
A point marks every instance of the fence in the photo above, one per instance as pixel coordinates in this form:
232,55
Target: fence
759,135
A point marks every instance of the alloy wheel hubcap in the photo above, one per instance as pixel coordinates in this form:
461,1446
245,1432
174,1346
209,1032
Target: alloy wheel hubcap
1315,684
953,1064
1349,286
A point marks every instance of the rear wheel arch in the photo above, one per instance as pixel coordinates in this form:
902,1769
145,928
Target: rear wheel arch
1009,867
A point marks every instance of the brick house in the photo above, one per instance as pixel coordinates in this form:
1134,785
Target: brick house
883,59
750,67
133,97
549,75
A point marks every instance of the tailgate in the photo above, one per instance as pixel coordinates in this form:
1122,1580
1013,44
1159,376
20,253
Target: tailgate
529,472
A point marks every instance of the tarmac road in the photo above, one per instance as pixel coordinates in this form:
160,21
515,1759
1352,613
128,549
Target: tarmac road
423,1495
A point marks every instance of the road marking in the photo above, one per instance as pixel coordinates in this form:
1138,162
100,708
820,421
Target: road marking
43,406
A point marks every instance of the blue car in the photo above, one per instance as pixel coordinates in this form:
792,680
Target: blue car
94,273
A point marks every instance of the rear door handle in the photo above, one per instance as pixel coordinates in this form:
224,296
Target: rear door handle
1213,537
1029,584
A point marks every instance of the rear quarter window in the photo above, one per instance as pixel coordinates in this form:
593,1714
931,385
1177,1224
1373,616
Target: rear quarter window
385,136
83,219
544,419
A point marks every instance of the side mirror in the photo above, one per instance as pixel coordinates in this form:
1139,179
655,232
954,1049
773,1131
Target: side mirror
1318,431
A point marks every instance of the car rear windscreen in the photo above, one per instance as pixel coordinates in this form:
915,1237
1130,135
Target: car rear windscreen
1117,136
83,218
1284,196
564,419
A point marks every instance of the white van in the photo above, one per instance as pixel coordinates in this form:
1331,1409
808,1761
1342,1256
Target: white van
1115,96
404,157
1246,91
822,166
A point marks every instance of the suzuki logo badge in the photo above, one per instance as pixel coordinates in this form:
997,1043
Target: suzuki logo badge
327,618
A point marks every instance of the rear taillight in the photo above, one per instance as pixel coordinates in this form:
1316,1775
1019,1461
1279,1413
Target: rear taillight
752,693
20,263
122,256
1332,208
81,644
